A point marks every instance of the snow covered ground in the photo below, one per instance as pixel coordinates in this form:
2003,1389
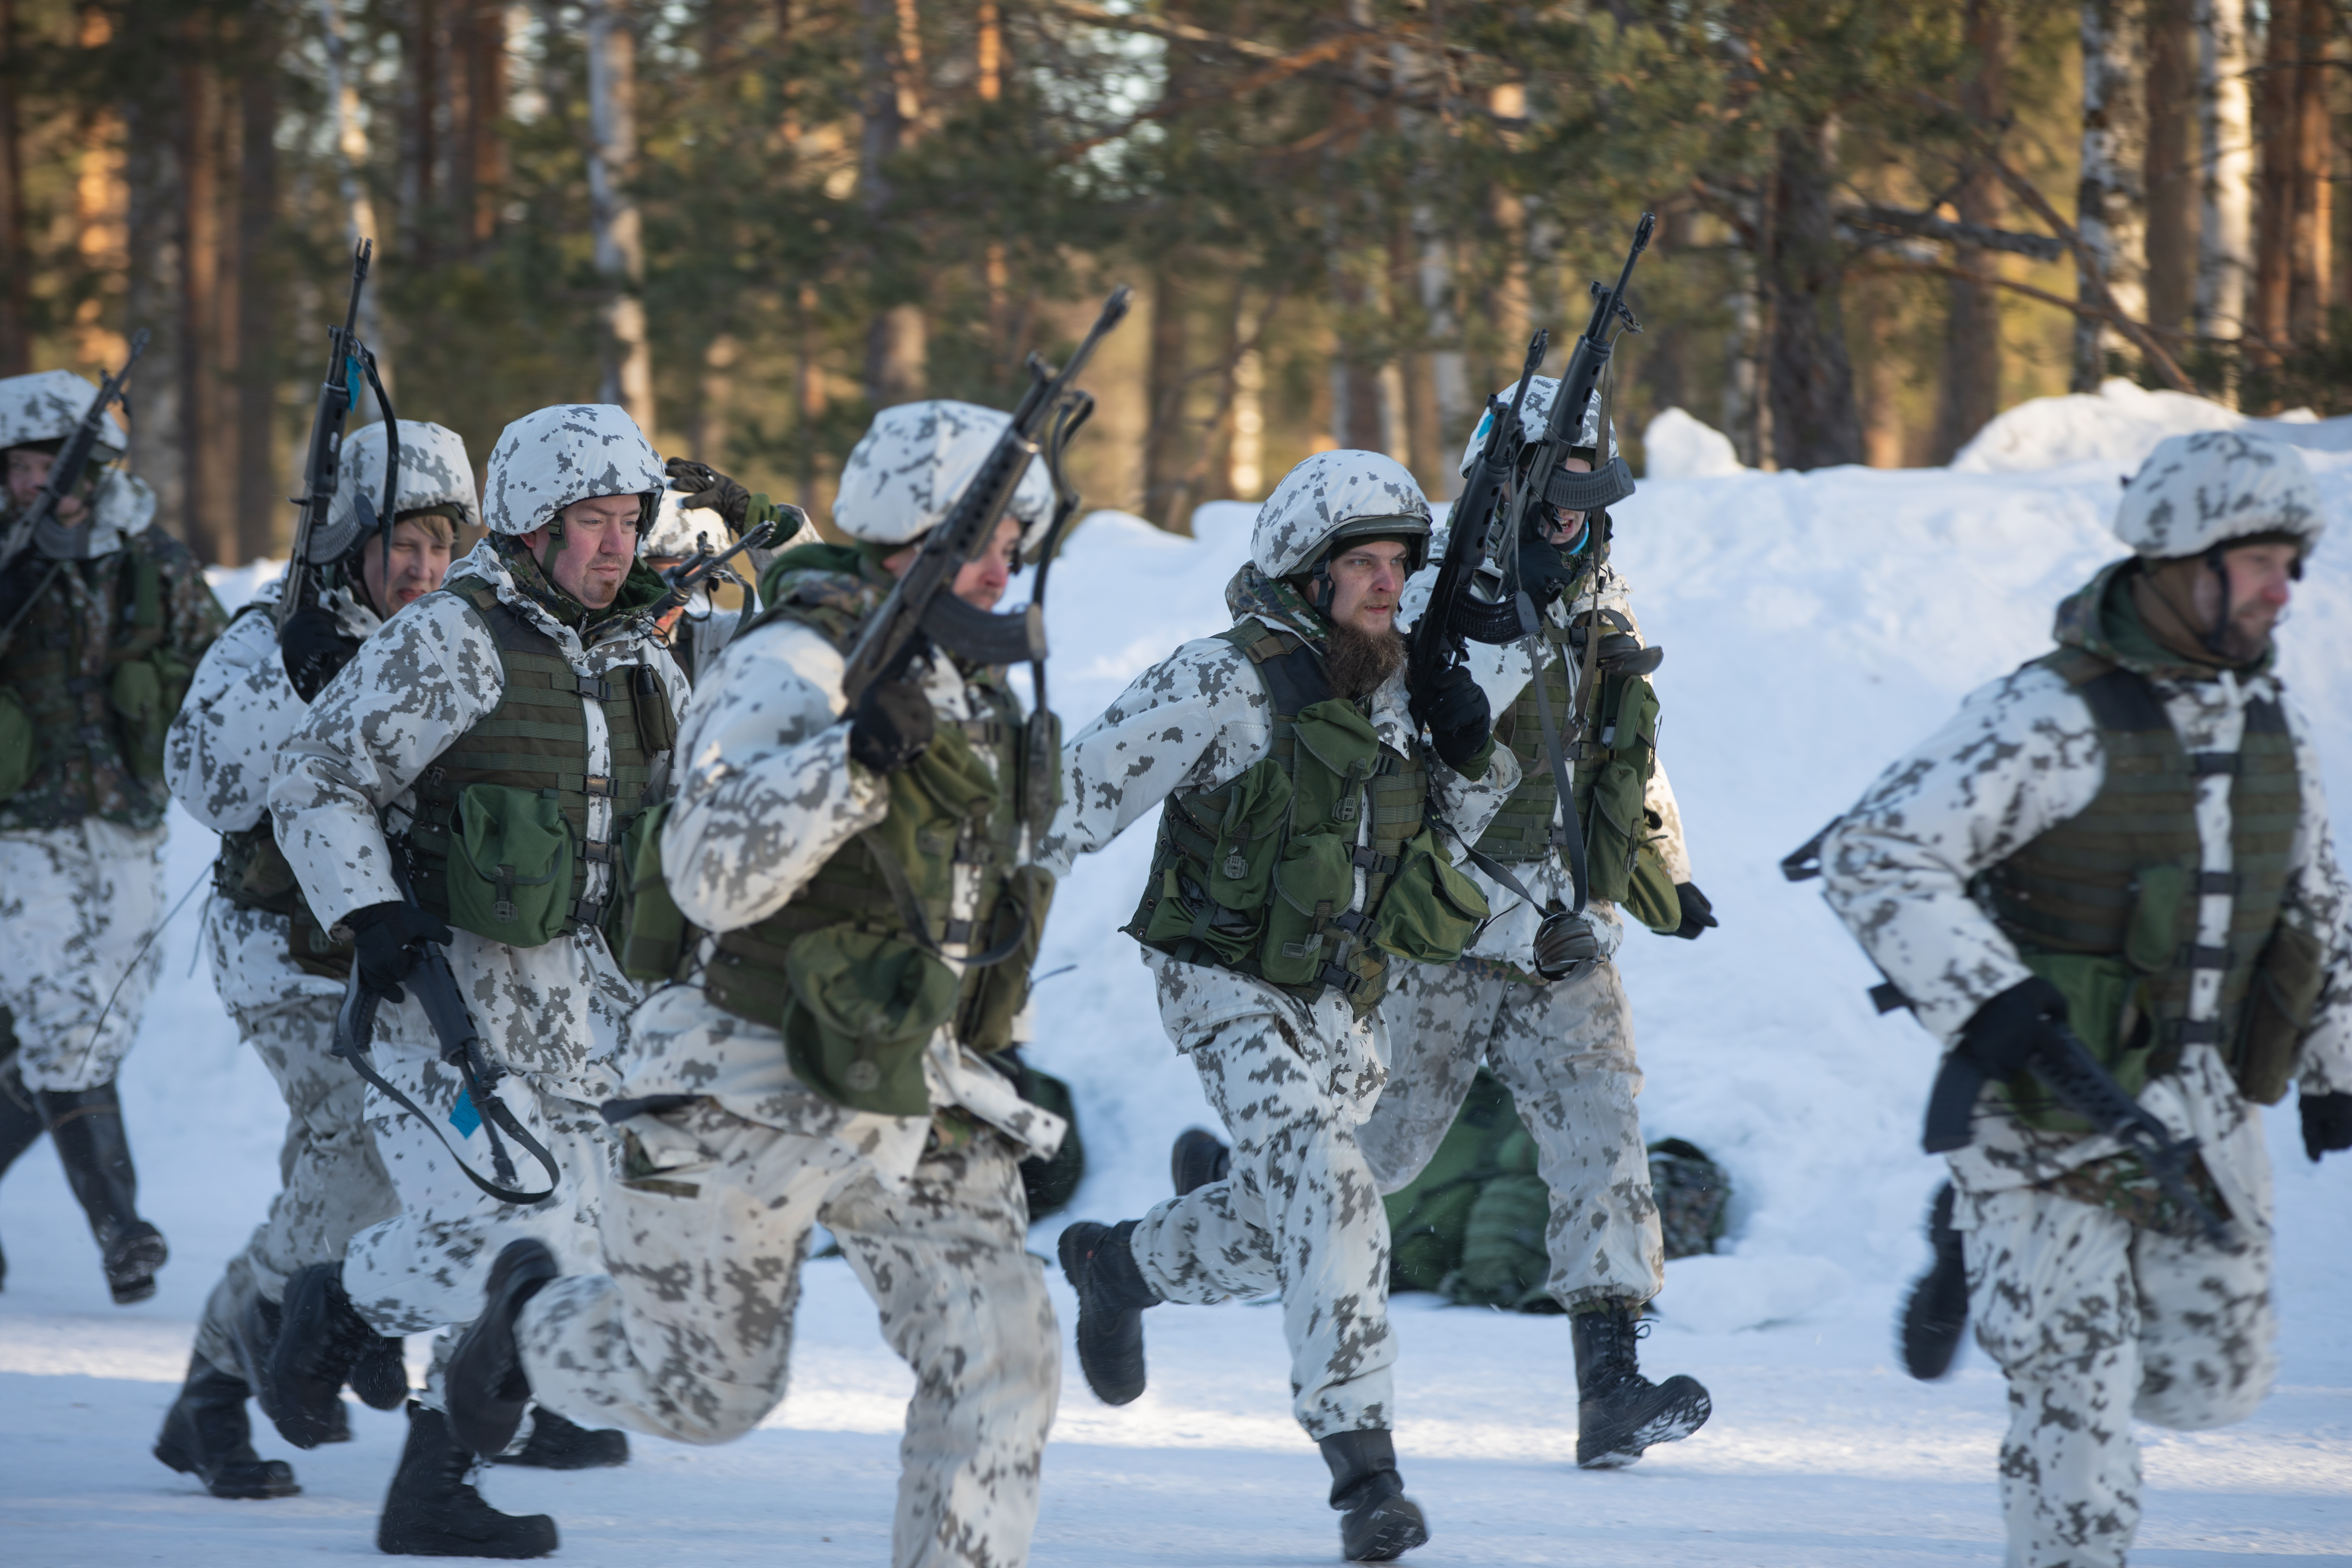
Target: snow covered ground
1814,624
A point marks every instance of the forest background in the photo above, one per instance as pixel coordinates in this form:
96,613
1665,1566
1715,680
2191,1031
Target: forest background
755,223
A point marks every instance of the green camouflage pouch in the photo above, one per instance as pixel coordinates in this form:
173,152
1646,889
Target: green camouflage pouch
863,1008
1430,910
509,876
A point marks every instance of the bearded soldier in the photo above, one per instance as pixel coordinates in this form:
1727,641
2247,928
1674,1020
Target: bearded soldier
103,618
2123,842
1539,998
863,914
492,749
1297,861
281,975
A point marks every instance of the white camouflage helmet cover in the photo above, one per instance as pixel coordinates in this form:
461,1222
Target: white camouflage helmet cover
434,471
1533,418
546,461
1322,496
47,405
2197,491
908,469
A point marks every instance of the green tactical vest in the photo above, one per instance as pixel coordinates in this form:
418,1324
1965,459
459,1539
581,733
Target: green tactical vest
850,968
1610,777
1257,874
2105,904
88,685
500,841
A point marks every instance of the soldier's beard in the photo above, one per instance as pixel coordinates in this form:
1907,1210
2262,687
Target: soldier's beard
1358,662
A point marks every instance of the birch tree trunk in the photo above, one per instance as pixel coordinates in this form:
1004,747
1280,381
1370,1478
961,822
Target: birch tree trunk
350,161
1971,383
2111,203
2225,139
619,235
1449,372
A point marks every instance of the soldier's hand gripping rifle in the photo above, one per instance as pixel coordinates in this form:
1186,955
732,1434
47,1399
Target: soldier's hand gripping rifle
689,577
348,359
923,601
461,1048
65,472
2066,1066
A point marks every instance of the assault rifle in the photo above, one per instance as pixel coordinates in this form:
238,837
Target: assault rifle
704,566
347,359
923,601
65,472
2065,1066
461,1048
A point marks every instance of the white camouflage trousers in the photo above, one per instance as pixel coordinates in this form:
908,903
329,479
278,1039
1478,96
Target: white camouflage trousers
333,1186
1299,1213
689,1335
2096,1322
75,905
1566,1053
428,1266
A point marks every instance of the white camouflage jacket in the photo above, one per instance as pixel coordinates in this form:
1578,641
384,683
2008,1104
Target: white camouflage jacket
218,758
1502,671
2021,755
766,794
347,775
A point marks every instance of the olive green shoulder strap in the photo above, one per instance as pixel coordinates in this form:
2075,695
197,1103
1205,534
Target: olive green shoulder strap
2119,698
1285,661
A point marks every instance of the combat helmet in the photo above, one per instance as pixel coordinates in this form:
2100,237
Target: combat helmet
2199,496
435,475
42,411
907,471
571,452
1334,499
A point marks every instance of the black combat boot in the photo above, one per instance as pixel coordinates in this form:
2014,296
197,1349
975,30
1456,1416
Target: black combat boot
320,1337
556,1444
380,1377
86,1127
487,1388
433,1511
1197,1160
1619,1411
1937,1312
205,1434
21,1124
1377,1520
1112,1295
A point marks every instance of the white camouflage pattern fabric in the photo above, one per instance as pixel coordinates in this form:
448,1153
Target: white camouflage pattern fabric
434,471
552,1015
48,405
240,710
679,531
905,474
2097,1323
2197,491
77,905
688,1333
1566,1053
1322,495
573,451
1535,415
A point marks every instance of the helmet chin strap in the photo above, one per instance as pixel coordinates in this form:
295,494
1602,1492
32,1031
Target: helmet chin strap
2218,634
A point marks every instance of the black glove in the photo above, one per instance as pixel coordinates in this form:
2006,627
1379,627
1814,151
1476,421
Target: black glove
314,646
2327,1123
2006,1031
386,935
1699,915
704,488
1449,704
891,726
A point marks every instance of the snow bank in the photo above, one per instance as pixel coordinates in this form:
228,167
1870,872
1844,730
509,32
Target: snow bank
1676,446
2118,425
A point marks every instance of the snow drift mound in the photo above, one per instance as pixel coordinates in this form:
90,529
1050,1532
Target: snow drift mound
2118,425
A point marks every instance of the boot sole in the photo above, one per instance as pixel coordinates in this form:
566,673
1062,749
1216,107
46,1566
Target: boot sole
1398,1534
397,1545
172,1454
1669,1425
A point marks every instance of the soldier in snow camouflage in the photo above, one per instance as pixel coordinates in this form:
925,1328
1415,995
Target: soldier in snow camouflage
2127,835
280,977
739,1142
102,616
514,725
1292,1068
1563,1044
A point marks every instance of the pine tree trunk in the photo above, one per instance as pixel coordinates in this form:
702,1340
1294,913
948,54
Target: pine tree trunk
2225,239
16,261
426,75
2111,205
152,177
2275,115
1449,372
2171,176
619,234
1815,423
262,514
478,152
1166,451
350,162
202,529
2312,266
1971,382
895,347
1424,438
